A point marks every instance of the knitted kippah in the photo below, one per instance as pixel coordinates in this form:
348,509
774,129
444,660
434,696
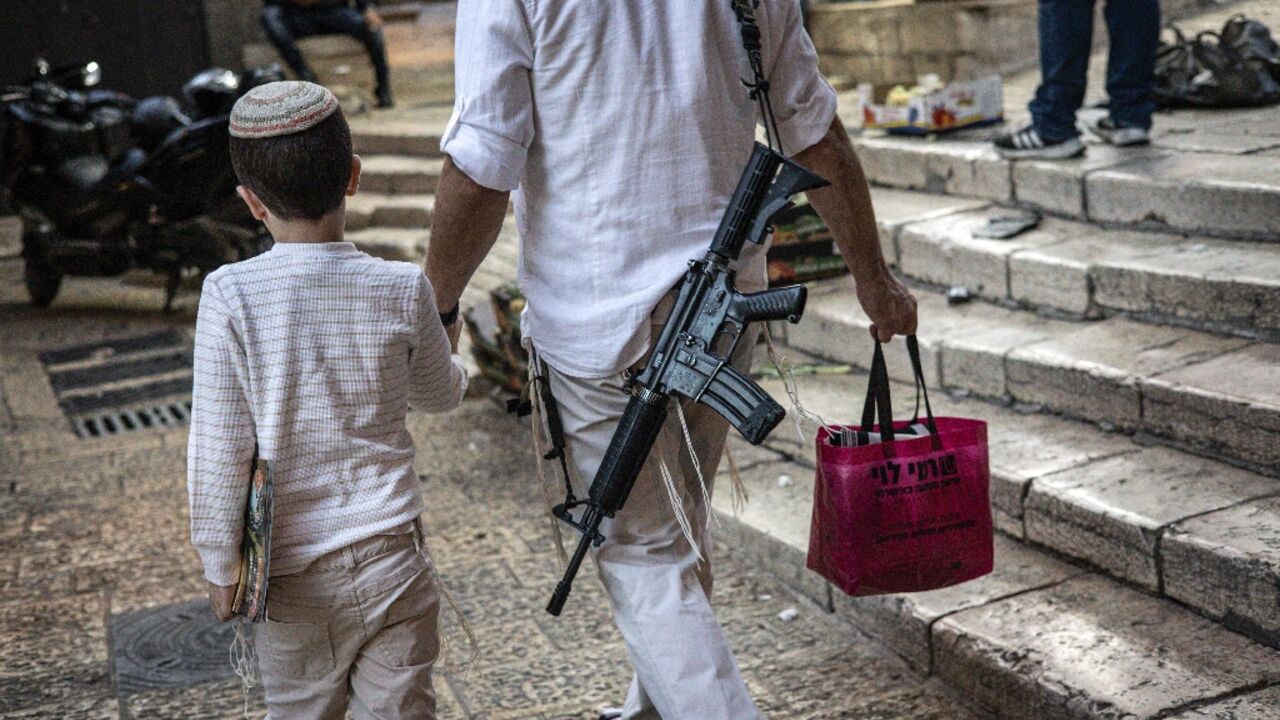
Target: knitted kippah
281,108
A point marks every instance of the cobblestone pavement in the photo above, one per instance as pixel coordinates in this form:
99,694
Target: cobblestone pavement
102,616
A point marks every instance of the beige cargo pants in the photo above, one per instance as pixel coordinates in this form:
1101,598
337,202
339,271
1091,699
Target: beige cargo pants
358,625
659,589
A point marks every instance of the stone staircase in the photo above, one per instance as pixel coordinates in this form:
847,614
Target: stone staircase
1125,357
1127,367
1236,196
391,215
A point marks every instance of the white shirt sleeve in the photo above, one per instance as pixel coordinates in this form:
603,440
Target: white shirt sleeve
220,444
489,133
803,102
437,378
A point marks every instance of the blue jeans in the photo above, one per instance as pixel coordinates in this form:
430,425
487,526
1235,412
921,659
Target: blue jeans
285,24
1066,37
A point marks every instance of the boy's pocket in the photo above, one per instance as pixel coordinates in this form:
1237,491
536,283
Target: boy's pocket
411,634
302,651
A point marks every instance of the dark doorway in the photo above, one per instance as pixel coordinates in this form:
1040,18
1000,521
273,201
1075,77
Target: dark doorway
144,46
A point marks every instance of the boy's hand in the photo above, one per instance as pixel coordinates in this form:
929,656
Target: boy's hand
372,19
454,332
221,598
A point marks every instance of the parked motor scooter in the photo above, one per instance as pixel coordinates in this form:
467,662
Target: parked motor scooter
104,184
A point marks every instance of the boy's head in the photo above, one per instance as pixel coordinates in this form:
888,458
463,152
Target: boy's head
291,148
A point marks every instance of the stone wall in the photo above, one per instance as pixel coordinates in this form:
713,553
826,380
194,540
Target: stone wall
890,41
230,25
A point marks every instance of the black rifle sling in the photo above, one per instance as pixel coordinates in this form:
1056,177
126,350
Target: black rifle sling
555,428
758,85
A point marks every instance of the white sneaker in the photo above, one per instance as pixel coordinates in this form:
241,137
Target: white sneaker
1119,135
1027,143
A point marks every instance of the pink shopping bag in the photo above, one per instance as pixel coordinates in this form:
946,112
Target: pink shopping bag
901,507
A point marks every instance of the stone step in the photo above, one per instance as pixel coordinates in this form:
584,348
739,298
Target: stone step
1142,514
1040,637
1223,195
400,174
369,209
410,245
415,137
1090,271
392,243
1214,394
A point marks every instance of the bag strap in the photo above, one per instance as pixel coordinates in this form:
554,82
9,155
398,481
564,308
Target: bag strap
878,400
922,390
878,403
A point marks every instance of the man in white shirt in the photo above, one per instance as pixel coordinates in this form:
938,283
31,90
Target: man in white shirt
623,127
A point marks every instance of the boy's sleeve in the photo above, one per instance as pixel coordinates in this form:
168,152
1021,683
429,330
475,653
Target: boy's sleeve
221,444
803,102
437,379
489,134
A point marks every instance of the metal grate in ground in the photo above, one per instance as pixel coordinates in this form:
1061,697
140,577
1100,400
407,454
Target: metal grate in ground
123,385
169,646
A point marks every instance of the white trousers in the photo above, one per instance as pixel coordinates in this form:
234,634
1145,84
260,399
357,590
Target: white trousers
659,588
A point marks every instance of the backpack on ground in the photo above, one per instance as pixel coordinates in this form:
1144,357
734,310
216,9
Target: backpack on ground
1239,66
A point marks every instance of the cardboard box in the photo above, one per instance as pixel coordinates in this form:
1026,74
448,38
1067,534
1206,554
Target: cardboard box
964,103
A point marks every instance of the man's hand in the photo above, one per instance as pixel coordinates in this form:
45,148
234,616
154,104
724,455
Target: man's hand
221,599
372,19
889,304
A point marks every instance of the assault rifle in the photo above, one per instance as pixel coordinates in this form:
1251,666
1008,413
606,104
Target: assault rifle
693,352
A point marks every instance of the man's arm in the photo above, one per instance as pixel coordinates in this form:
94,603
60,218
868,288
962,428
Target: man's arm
845,207
468,218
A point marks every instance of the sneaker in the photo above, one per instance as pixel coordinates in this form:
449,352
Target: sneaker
1119,135
610,713
1027,143
384,98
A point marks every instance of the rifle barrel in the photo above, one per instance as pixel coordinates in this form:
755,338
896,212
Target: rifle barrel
561,594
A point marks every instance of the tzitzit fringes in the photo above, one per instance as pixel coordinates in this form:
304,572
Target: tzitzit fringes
537,426
739,496
244,662
420,544
677,506
693,458
787,373
462,621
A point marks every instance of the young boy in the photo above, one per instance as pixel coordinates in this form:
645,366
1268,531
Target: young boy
312,353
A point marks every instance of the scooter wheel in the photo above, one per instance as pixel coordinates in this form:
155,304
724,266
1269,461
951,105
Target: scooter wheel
43,281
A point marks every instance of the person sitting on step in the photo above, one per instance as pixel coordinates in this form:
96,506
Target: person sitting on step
287,21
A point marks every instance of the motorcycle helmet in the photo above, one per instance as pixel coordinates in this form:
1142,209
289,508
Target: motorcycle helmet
260,75
211,92
154,118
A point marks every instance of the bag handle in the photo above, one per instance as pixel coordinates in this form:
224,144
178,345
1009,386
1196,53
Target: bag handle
878,398
922,390
879,401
